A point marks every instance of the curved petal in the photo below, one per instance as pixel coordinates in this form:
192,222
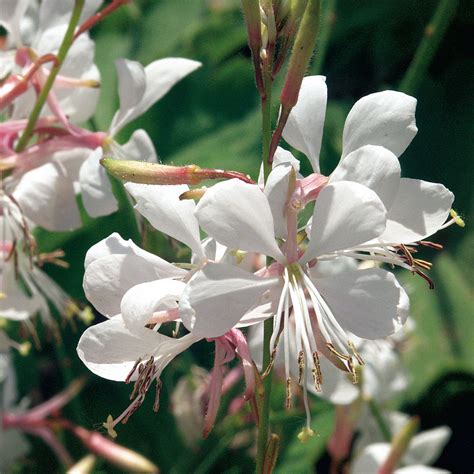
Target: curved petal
371,459
46,196
167,213
96,189
140,147
107,279
115,245
159,77
141,301
304,129
345,214
276,191
239,216
373,166
419,210
368,303
427,446
110,350
385,118
218,296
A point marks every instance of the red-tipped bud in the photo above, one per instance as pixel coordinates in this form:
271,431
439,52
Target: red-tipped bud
154,173
124,458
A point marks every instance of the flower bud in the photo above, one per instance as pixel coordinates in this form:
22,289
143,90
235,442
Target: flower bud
154,173
122,457
83,466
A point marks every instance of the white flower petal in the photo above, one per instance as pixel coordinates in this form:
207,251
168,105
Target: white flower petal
419,210
46,196
141,301
385,118
96,189
167,213
304,129
368,303
419,469
131,86
140,147
159,77
426,447
371,458
218,296
345,214
107,279
373,166
238,215
110,350
11,13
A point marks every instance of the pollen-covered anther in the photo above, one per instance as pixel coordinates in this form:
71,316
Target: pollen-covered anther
134,368
288,394
316,371
352,371
343,357
356,354
156,404
300,367
271,363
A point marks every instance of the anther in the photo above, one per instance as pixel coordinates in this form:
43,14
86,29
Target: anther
317,375
356,354
288,393
300,367
353,372
156,404
336,352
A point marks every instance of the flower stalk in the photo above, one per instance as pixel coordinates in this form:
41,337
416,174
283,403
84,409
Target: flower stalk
43,95
433,35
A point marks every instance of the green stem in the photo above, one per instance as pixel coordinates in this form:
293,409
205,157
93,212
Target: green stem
42,97
264,413
433,35
327,24
381,423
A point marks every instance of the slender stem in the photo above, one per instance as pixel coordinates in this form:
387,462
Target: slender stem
327,23
264,414
433,35
381,423
40,101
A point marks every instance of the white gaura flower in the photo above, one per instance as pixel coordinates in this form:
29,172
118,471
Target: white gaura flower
377,131
368,303
48,192
34,31
423,449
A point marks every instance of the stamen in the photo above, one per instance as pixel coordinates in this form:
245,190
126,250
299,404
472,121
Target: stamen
301,366
356,354
433,245
134,368
331,347
288,393
156,404
352,371
317,374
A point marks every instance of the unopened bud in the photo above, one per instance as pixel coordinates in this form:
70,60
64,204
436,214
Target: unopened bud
399,445
271,453
154,173
83,466
301,54
122,457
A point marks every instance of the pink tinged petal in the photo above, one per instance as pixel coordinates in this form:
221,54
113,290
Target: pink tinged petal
107,279
239,216
218,296
373,166
368,303
167,213
243,351
110,350
345,214
385,118
140,147
371,458
149,85
141,301
427,446
96,188
46,196
419,210
215,390
304,129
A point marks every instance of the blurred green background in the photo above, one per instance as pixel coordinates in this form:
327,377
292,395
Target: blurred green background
212,119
